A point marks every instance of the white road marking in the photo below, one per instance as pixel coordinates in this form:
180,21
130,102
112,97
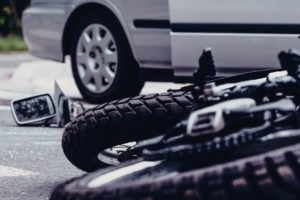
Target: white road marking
6,171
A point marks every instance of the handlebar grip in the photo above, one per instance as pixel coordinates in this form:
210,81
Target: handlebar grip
290,61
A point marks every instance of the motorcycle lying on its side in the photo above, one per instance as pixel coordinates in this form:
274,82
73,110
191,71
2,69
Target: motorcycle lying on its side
133,119
245,144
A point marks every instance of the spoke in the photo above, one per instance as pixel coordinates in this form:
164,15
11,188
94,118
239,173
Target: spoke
98,82
86,79
86,40
108,74
81,59
110,57
99,61
87,76
96,34
104,42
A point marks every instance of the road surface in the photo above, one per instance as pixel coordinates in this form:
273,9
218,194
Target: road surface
32,162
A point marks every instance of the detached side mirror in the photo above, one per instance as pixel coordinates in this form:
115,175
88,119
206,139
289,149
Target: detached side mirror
34,110
45,110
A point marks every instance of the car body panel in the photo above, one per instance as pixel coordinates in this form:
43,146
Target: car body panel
152,44
235,11
43,28
242,34
226,26
229,55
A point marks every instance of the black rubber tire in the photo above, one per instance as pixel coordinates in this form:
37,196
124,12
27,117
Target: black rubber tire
127,81
272,175
119,122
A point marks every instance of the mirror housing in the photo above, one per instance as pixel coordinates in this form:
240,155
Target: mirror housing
34,110
45,110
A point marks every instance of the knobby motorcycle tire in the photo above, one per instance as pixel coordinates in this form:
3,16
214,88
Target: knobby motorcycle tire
121,121
271,175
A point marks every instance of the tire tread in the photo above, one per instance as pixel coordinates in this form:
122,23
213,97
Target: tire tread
121,121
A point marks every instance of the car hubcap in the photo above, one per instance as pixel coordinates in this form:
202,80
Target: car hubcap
97,58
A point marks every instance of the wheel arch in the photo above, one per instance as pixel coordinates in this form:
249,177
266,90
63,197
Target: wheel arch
80,11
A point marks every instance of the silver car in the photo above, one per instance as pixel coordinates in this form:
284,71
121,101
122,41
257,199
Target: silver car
117,44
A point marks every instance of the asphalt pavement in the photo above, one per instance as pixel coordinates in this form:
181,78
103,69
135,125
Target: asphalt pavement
32,162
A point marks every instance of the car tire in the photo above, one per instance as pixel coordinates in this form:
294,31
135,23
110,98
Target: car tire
119,122
102,62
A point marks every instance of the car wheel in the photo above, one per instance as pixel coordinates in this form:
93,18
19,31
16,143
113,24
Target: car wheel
103,65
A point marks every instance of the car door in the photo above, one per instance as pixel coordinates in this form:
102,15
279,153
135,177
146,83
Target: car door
148,22
244,35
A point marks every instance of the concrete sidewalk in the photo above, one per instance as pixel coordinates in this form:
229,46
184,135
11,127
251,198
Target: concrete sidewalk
38,76
13,60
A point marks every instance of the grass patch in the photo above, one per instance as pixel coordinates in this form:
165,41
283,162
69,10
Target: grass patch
12,43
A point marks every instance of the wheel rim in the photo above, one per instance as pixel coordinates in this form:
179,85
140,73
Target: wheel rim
97,58
110,156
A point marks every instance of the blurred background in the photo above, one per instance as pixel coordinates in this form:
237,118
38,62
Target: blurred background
10,25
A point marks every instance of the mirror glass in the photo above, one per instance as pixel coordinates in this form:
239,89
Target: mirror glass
33,109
